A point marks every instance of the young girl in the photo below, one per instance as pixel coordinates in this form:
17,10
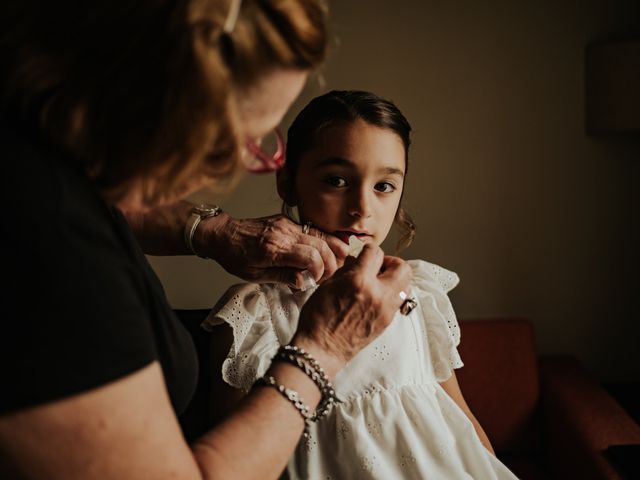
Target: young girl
402,414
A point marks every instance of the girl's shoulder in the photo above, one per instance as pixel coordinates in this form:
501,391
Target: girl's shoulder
428,276
239,302
246,304
431,284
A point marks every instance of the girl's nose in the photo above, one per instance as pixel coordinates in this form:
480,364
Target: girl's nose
360,205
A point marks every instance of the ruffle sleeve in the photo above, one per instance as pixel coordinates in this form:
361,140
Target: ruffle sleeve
431,283
245,308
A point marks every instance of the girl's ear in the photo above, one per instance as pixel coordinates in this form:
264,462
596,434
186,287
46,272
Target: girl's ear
285,187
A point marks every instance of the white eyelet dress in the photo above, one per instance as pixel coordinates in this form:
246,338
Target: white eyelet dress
395,421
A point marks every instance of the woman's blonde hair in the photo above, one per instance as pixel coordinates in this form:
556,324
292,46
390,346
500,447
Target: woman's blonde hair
137,88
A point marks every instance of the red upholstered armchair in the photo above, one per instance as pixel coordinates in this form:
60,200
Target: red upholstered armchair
546,416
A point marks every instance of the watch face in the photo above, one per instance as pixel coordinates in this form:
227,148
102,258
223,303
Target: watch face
204,209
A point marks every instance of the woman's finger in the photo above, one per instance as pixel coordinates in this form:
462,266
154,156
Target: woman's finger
301,257
331,249
338,247
394,267
395,278
370,260
328,258
289,276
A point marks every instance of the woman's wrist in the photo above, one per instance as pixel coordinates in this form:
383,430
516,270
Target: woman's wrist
295,379
329,363
208,237
292,377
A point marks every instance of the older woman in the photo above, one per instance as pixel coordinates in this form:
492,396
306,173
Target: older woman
116,106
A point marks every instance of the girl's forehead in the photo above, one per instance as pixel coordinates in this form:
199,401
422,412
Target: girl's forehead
357,144
356,127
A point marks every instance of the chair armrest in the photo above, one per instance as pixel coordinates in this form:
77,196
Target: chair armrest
580,421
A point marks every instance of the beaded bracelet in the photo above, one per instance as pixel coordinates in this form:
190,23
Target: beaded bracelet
297,356
289,394
310,366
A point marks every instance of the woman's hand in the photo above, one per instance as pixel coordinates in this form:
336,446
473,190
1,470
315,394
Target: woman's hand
353,307
269,249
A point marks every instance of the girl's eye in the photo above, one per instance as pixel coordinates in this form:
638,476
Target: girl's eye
338,182
385,187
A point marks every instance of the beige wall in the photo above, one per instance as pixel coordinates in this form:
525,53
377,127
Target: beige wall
537,218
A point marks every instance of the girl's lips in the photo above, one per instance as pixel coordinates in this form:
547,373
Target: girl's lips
344,236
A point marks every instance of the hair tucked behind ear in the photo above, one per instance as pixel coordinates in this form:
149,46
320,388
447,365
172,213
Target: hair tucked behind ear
407,229
347,106
137,88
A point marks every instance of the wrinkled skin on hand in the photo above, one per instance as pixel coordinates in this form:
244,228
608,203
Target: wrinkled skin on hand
355,305
271,249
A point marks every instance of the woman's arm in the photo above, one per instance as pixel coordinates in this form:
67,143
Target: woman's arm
258,438
260,249
127,429
452,388
121,430
224,398
161,231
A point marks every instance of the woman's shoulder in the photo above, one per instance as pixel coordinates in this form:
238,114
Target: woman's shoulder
53,178
429,276
51,204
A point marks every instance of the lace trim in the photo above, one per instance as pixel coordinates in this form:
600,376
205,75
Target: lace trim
245,308
442,332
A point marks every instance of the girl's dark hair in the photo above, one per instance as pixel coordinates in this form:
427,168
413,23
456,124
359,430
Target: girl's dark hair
348,106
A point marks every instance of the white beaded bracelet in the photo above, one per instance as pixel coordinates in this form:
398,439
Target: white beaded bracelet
293,397
310,366
289,394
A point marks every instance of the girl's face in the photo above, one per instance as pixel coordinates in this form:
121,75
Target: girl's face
351,181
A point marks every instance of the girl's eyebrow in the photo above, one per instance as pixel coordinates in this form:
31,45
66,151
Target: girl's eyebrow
344,162
393,171
334,161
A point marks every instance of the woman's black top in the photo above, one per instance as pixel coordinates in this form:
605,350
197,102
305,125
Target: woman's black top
81,306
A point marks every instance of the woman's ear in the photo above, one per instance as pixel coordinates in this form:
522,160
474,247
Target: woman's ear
285,187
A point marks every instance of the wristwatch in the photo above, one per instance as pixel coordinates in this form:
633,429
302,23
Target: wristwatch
198,213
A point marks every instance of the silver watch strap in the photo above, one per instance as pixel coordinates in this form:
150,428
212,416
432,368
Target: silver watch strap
192,225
